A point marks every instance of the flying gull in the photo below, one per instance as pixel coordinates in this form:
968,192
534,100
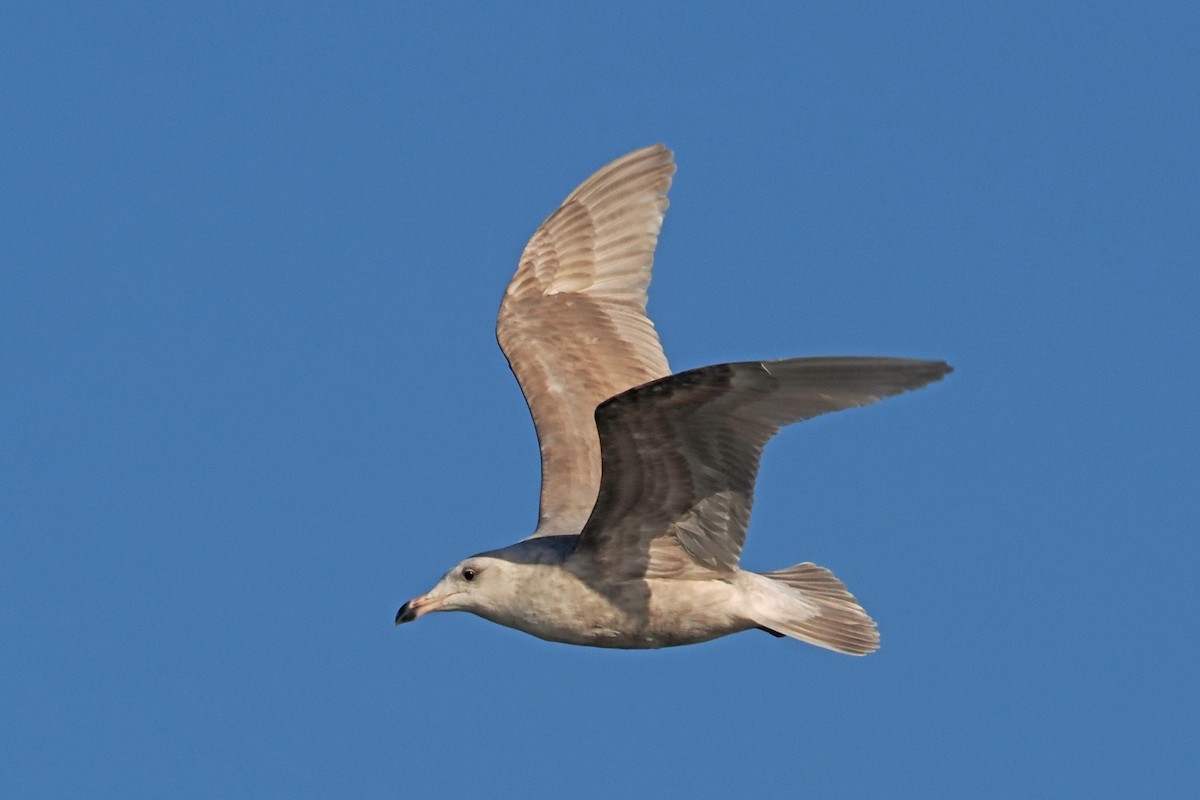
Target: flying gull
648,477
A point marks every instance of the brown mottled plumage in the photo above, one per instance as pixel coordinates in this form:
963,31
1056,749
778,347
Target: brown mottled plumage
647,477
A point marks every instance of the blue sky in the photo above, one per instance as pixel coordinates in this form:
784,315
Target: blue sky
250,260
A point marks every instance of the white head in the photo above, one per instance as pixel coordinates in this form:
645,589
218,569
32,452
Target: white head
516,586
482,584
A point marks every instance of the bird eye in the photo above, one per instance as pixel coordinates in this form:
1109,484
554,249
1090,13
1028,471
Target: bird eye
468,574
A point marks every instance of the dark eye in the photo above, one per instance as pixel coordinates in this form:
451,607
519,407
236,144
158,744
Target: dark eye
468,574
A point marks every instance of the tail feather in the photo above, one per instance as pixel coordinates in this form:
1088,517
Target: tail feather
810,604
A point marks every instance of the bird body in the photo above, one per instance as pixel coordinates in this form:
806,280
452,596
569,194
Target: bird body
647,476
626,613
567,607
537,587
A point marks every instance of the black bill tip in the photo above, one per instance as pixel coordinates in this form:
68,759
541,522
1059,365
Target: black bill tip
406,613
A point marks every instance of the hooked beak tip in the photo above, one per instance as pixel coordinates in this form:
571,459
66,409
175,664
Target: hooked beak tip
406,613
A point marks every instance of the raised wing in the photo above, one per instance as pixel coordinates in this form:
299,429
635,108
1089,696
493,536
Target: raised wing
573,322
680,455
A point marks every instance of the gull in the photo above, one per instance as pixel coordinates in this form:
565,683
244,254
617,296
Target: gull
648,476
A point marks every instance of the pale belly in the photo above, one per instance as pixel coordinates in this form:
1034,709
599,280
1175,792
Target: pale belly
641,615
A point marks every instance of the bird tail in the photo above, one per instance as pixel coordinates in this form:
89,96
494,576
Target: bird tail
808,603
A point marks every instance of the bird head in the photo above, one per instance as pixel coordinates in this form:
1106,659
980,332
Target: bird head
476,585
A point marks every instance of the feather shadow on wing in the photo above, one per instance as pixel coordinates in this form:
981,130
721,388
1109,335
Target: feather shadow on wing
680,454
